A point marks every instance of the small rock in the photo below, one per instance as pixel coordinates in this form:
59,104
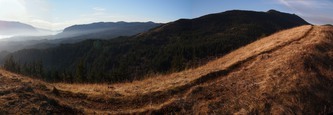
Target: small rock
55,91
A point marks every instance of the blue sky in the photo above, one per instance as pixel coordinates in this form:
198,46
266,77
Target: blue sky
58,14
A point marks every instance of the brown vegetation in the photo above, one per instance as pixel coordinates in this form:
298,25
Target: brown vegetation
288,72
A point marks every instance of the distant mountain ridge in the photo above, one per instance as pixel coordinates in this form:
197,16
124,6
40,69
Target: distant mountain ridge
73,34
105,30
17,31
15,28
103,26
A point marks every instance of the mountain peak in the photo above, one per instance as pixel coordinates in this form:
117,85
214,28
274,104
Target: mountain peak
273,11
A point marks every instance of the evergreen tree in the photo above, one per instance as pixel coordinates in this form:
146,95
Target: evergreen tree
81,72
10,64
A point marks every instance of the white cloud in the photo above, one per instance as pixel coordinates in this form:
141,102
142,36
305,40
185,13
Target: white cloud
99,9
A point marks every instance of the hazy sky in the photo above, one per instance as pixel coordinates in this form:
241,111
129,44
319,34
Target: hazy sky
58,14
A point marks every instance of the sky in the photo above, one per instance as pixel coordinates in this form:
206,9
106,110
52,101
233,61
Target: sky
58,14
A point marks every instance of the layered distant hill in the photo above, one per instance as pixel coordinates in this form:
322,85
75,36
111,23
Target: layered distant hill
42,38
185,43
8,28
103,30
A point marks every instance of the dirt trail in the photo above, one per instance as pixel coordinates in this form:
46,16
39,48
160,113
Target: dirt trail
273,75
273,81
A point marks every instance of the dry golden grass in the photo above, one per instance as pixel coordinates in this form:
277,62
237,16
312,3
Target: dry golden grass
249,57
91,89
23,95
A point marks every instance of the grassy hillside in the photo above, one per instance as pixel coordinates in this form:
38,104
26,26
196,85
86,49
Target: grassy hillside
286,73
175,46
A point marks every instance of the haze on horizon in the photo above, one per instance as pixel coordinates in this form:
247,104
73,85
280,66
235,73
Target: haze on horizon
59,14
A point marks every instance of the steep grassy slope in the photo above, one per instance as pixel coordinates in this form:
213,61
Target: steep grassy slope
185,43
21,95
288,72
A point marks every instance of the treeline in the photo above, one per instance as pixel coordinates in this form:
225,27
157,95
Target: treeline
36,70
172,47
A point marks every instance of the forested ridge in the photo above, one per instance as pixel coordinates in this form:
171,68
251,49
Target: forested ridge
175,46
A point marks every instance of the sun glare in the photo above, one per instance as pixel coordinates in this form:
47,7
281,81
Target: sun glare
12,9
4,36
